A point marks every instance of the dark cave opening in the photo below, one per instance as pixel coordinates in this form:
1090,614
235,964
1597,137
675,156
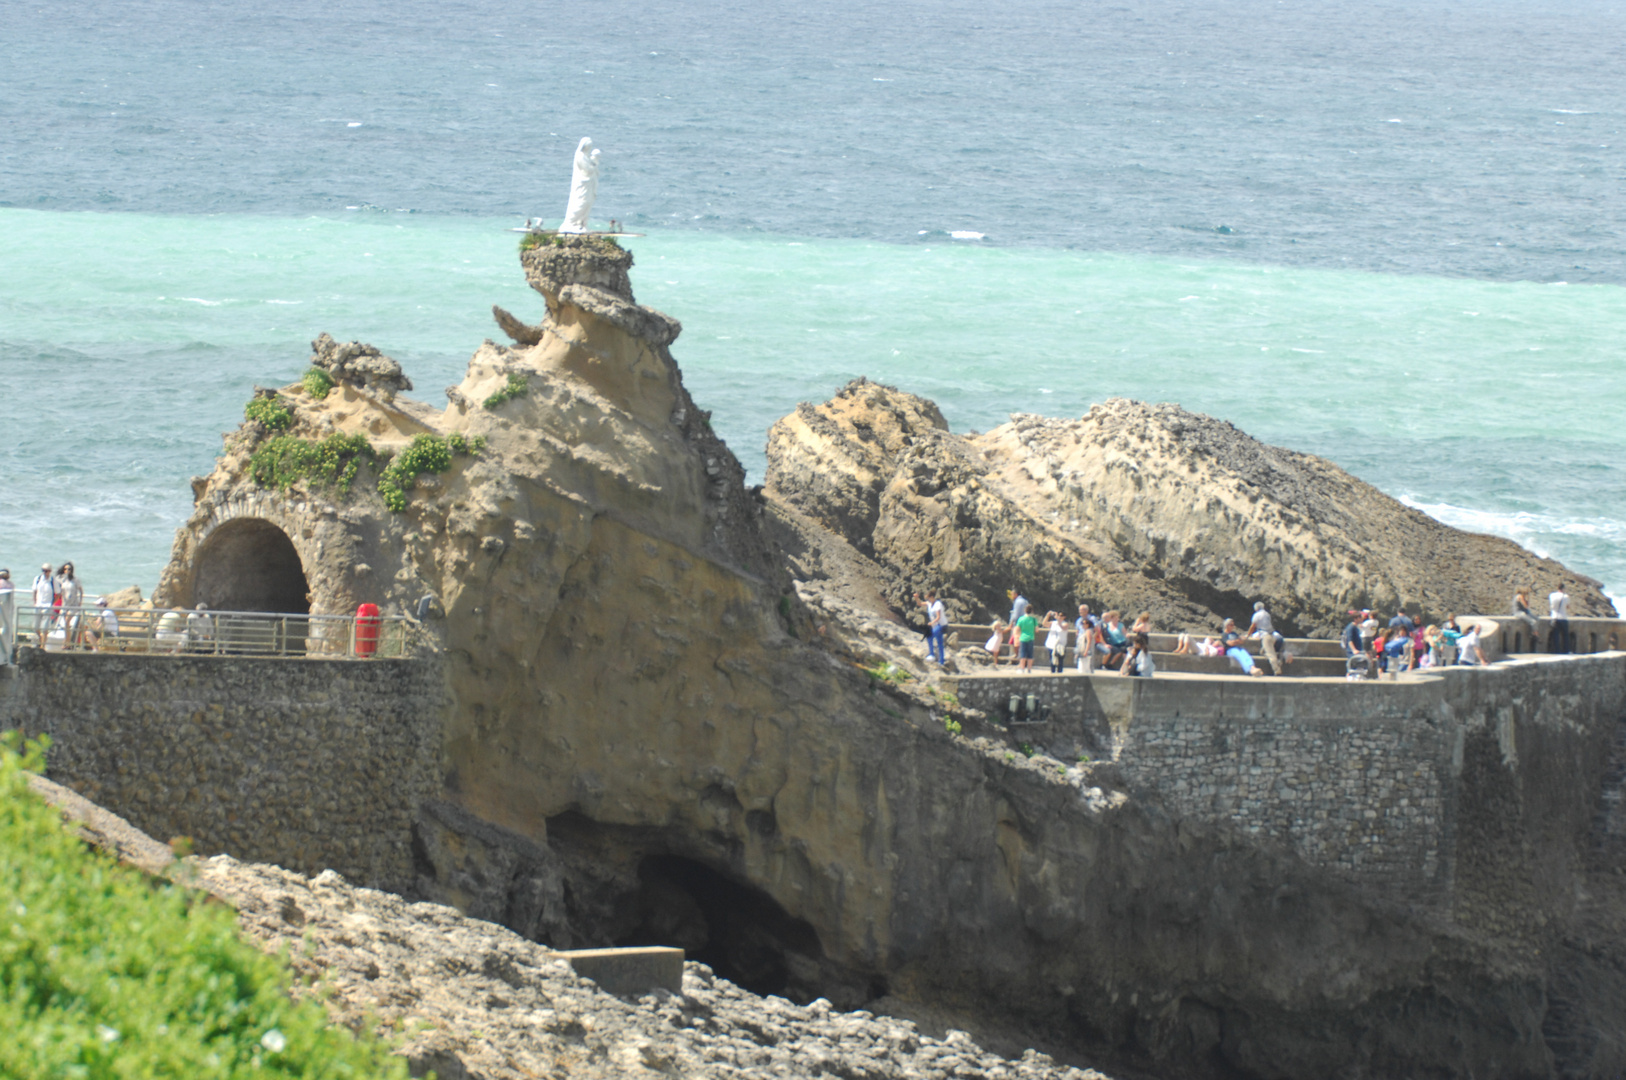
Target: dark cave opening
741,933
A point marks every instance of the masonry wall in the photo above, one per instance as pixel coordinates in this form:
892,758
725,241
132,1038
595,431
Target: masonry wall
309,764
1465,789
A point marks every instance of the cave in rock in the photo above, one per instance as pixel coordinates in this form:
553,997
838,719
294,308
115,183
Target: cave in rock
739,932
249,564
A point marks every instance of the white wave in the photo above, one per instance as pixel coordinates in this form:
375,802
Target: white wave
966,234
1521,525
353,123
1182,300
1318,352
285,301
201,300
1572,112
1394,120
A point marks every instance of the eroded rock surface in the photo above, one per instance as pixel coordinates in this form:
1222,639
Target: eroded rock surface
1134,506
659,736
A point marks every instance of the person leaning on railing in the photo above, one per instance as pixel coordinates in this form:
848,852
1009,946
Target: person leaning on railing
103,630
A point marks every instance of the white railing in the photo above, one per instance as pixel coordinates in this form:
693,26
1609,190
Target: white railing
207,633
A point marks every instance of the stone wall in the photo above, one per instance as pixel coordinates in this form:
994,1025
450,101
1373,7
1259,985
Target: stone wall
1403,787
309,764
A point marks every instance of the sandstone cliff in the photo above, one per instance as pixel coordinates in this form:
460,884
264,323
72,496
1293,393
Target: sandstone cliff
651,740
1136,507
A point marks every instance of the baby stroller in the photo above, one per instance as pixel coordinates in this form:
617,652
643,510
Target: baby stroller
1358,667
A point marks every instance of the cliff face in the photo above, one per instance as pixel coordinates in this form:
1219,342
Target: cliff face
1136,507
652,741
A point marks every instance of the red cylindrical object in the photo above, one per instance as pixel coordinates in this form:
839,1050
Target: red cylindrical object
368,622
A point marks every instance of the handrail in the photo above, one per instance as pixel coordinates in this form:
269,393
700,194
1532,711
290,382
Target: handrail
174,631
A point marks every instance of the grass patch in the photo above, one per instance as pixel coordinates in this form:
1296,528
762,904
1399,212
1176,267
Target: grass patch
331,464
425,454
106,974
516,387
317,383
271,411
888,673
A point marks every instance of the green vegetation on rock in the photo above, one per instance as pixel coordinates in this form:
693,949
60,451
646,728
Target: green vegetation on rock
517,387
331,464
106,974
425,454
317,382
271,411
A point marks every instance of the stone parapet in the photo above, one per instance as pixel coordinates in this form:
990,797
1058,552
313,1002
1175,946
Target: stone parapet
310,764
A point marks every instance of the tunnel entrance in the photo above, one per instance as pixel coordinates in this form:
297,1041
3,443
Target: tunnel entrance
742,934
250,565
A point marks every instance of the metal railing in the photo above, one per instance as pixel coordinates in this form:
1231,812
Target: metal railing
210,633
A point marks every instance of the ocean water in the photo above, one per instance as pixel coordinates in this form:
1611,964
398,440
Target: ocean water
1389,235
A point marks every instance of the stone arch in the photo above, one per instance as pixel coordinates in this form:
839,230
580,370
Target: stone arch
250,564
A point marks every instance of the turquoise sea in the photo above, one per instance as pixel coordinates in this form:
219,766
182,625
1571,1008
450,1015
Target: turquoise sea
1392,236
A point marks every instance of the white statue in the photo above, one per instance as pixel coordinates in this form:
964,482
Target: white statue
583,188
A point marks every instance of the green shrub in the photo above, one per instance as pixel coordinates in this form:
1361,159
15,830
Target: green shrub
105,974
516,387
530,240
425,454
889,673
330,464
271,411
317,383
952,726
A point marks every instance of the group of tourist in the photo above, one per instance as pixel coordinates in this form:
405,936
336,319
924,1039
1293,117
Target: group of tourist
1103,643
58,601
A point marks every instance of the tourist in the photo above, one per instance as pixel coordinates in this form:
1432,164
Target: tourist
1558,636
1114,642
1055,641
1394,655
1350,639
1431,647
8,615
1369,629
992,645
1138,662
1027,628
200,630
105,627
44,602
170,634
1143,624
1450,634
1019,604
936,624
1084,650
70,597
1469,654
1261,628
1402,621
1231,642
1522,612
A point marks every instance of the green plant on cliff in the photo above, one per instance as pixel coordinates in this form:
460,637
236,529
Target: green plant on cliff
106,974
531,240
331,464
952,726
425,454
516,387
888,673
271,411
317,382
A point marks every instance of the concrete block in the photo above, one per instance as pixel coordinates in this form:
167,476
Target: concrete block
635,970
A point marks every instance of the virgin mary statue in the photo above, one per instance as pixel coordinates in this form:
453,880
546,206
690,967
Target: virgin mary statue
583,188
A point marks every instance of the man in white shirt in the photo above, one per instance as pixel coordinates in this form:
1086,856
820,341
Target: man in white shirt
44,602
936,625
1262,629
106,624
1558,605
1469,654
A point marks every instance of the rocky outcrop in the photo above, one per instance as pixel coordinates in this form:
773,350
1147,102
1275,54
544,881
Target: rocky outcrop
656,737
360,365
1134,506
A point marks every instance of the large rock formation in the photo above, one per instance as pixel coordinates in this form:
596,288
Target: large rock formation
1136,507
652,740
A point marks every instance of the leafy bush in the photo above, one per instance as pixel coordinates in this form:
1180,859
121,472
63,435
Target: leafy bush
425,454
952,726
271,411
888,673
530,240
317,383
104,975
516,387
331,464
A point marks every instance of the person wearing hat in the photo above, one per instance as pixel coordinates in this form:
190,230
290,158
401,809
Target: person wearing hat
44,602
105,626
